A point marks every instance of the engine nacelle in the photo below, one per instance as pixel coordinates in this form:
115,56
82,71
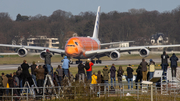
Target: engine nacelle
22,52
144,52
115,55
42,55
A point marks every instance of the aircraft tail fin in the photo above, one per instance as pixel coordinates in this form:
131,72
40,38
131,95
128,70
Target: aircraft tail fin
97,22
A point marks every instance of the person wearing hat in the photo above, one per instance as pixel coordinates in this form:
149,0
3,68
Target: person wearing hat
47,61
65,65
173,60
89,70
151,68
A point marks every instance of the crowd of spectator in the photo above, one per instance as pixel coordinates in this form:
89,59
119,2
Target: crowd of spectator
39,72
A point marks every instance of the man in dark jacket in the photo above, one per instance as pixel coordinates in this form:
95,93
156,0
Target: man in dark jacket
60,74
173,60
130,76
47,61
139,75
33,74
144,65
81,72
113,73
164,62
25,72
40,77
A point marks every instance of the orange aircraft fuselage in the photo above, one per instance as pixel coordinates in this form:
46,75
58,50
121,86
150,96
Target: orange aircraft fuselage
76,46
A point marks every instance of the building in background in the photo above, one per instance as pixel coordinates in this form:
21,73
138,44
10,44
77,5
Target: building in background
43,41
159,39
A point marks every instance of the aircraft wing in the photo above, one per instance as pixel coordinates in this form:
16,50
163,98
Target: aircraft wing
60,51
111,43
125,49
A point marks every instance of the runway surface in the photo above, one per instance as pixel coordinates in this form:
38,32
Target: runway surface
110,62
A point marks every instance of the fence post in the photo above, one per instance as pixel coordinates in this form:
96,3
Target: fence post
12,93
27,93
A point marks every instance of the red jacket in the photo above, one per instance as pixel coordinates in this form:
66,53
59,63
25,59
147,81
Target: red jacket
90,65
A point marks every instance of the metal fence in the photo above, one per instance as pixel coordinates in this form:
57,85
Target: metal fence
81,90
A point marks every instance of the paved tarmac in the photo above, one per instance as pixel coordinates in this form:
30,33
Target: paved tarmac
110,62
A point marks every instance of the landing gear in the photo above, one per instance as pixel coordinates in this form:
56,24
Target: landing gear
77,62
98,61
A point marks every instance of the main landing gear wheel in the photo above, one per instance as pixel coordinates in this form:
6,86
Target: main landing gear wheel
98,61
77,62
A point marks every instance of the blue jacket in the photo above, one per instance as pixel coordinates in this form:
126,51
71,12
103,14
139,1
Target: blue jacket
65,63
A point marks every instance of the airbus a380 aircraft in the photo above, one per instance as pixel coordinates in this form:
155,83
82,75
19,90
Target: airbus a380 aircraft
88,47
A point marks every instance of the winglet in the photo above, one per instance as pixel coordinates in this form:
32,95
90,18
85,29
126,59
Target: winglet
97,22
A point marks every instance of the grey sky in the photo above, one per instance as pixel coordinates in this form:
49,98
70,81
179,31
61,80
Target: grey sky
47,7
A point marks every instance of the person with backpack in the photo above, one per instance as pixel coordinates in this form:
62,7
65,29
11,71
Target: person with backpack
88,66
112,75
120,72
139,76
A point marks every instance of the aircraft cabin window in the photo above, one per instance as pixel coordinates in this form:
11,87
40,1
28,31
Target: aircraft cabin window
70,46
76,43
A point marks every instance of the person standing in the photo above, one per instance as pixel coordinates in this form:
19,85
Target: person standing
174,65
139,76
25,72
19,75
5,81
65,66
112,75
1,90
144,65
88,66
81,72
60,74
130,76
40,77
47,61
94,82
151,68
33,74
105,75
164,62
120,72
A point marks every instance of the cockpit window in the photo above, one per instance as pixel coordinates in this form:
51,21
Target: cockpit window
70,45
76,43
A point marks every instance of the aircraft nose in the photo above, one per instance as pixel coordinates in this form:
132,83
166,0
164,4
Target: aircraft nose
72,51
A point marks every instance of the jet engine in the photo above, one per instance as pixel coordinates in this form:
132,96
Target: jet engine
144,52
22,52
42,54
115,55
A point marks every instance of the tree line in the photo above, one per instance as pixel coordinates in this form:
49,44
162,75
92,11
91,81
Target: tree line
114,26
